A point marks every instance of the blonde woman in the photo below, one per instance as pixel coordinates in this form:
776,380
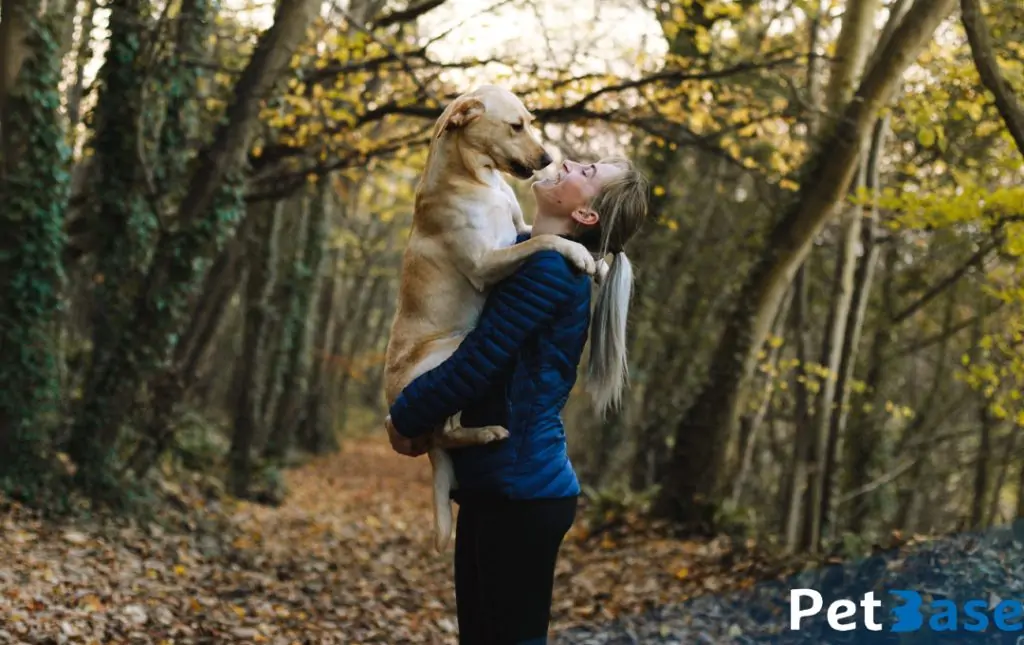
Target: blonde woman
517,497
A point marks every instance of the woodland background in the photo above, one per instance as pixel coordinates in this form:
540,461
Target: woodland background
204,206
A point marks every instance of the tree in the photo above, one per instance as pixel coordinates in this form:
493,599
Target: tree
691,484
33,190
206,215
985,60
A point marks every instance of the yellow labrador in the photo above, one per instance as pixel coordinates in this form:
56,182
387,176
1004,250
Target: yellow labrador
465,223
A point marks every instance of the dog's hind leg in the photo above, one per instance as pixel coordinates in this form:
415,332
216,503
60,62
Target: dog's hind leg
456,435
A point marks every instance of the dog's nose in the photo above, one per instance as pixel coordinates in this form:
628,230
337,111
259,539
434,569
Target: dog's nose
545,161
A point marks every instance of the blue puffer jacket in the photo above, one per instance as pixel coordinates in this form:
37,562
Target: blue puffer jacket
515,369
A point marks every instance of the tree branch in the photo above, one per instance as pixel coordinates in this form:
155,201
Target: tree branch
577,110
231,143
975,260
925,343
405,16
985,60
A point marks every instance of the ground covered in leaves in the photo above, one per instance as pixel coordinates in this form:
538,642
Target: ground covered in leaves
347,560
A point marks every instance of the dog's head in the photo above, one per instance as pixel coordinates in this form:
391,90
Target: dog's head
493,122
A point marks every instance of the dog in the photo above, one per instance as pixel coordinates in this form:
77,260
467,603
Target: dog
465,222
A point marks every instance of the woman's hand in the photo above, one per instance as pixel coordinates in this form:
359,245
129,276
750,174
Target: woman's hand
404,445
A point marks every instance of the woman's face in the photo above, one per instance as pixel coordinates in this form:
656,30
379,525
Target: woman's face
574,186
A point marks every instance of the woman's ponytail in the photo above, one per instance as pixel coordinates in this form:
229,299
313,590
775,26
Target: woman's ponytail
622,205
609,369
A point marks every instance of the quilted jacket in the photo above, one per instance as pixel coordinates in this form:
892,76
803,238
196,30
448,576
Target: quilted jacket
515,369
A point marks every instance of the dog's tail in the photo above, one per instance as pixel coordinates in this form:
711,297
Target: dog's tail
444,481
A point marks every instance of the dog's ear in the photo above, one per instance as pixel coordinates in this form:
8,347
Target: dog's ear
461,113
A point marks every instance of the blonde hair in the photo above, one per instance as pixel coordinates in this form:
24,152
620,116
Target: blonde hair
622,206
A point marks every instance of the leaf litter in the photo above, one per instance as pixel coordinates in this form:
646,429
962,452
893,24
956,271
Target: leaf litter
347,559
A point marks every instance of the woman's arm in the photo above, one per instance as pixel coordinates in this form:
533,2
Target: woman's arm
517,307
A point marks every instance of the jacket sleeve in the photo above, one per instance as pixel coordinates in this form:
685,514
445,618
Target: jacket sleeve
516,309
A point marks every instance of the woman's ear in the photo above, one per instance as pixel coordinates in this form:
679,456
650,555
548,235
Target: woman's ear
586,216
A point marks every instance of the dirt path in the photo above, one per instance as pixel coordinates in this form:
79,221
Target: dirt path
345,560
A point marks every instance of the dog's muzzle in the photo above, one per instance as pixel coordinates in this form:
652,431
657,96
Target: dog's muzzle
519,170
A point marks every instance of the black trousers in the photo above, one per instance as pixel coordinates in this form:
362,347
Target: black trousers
505,553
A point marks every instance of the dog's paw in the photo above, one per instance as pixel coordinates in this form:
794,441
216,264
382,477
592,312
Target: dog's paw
582,259
493,433
459,436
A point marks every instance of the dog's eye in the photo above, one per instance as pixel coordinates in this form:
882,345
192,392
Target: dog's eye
517,127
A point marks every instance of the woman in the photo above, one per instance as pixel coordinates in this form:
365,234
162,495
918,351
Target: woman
517,497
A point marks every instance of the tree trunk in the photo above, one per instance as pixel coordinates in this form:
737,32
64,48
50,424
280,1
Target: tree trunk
688,496
982,464
792,489
220,285
749,440
305,284
259,284
384,313
34,193
181,76
994,512
182,374
209,212
181,80
845,322
120,218
1020,492
355,327
929,413
831,358
991,77
316,432
855,324
661,348
795,486
983,460
863,447
853,46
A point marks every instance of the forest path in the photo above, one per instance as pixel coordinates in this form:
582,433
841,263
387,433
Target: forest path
346,559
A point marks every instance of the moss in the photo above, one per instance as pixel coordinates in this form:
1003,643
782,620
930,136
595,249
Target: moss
144,284
179,264
34,193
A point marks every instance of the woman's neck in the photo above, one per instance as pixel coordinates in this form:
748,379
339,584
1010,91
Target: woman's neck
544,224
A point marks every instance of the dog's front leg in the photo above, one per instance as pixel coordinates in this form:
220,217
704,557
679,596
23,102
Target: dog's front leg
490,267
519,221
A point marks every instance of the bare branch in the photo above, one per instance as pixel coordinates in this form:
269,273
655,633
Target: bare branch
976,260
407,15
